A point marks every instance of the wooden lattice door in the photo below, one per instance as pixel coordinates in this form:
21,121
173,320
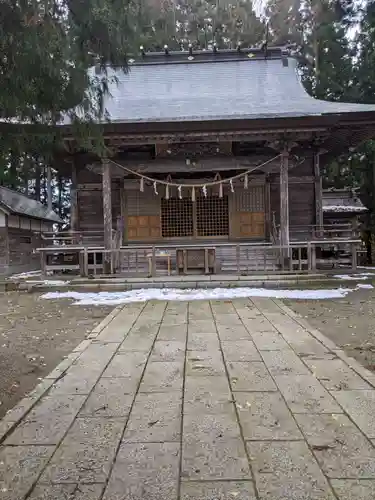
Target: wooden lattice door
248,217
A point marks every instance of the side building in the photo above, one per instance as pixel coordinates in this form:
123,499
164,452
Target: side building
22,222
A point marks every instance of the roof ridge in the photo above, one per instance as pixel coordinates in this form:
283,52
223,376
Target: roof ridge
19,193
25,205
208,55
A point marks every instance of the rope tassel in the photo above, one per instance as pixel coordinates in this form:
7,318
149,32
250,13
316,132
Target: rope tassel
193,194
246,181
155,188
179,189
167,192
220,190
142,185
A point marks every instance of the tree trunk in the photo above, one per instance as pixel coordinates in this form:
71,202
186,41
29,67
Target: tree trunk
37,182
49,187
60,188
13,177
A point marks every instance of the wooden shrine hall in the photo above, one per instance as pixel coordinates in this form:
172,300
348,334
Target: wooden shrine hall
213,165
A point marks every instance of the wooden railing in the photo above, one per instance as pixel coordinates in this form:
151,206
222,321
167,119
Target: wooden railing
230,258
328,231
66,238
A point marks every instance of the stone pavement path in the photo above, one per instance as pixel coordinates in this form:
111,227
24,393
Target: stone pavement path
226,400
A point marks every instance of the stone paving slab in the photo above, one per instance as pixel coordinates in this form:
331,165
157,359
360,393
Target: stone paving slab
220,400
218,490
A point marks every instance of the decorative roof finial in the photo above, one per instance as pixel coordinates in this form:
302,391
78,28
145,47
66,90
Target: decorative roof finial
141,48
190,49
166,49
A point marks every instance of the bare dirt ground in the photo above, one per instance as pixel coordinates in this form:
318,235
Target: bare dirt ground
35,335
349,322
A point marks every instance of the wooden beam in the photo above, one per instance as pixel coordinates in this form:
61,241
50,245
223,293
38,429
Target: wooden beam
303,179
284,201
74,214
318,193
49,187
107,215
267,203
123,211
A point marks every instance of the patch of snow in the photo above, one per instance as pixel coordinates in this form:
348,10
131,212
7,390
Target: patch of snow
363,285
142,295
344,208
354,277
29,274
48,282
55,282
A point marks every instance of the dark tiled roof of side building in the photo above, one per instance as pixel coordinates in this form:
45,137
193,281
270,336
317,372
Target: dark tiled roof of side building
18,204
222,86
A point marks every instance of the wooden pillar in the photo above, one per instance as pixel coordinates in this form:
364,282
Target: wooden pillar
318,195
107,215
284,202
123,211
267,202
49,187
74,215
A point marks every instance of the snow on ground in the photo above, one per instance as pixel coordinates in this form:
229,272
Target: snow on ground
29,274
53,282
361,285
142,295
354,277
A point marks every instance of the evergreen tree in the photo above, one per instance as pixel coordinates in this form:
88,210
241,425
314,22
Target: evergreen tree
178,23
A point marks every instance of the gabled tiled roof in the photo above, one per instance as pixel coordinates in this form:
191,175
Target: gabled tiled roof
225,85
342,200
19,204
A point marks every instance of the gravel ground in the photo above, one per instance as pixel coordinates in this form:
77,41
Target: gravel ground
349,322
35,335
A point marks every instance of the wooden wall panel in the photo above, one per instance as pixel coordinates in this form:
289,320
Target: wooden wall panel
249,200
138,203
142,215
301,203
90,206
249,224
86,176
302,169
143,227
